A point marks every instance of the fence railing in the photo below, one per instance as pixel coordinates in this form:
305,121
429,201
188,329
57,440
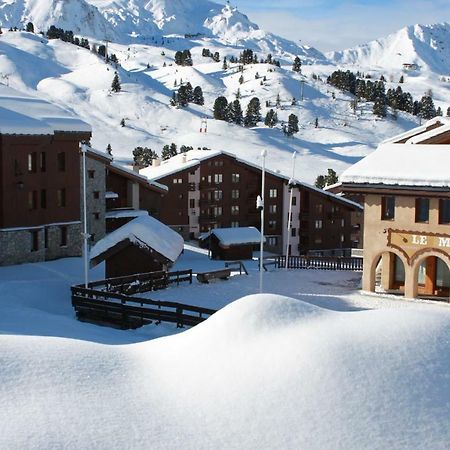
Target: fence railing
236,265
321,263
142,282
132,312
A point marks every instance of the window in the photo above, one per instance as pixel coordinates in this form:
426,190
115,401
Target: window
218,178
318,240
342,223
273,193
91,173
422,210
235,193
235,177
218,163
32,199
294,201
43,199
319,208
444,211
61,198
293,232
180,196
387,208
32,162
342,238
192,203
217,211
96,195
46,237
34,240
61,157
272,209
17,171
217,195
177,180
63,234
234,210
42,162
272,224
273,241
97,216
234,224
318,224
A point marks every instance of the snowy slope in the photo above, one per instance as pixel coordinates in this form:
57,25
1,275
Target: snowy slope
264,372
76,79
428,46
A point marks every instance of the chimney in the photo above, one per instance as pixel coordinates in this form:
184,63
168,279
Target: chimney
136,167
184,158
156,162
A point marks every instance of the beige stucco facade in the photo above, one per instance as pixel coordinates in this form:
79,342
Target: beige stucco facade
411,241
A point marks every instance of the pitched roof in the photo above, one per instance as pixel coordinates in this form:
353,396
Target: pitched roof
23,114
235,236
419,165
145,232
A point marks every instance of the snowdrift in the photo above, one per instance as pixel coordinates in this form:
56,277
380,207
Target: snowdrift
264,372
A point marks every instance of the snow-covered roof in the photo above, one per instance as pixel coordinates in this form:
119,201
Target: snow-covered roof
193,158
145,232
23,114
124,213
418,130
424,165
236,236
417,139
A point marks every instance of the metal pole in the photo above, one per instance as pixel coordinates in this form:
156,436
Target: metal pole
289,224
261,246
85,234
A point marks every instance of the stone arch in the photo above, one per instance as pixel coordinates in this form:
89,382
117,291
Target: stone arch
417,261
376,259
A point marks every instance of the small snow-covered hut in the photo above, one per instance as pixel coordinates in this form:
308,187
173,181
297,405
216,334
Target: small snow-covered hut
232,243
142,245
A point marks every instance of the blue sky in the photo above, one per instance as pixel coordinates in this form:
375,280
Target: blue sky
333,25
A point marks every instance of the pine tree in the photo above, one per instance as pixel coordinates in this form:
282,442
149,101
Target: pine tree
379,107
320,182
109,150
278,101
297,65
30,27
182,98
292,126
235,112
253,114
316,122
427,110
189,92
448,111
220,109
271,118
165,154
439,111
402,79
144,156
173,149
331,178
115,85
122,123
224,65
241,79
197,96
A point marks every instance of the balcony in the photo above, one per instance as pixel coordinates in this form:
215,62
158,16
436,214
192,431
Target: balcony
205,185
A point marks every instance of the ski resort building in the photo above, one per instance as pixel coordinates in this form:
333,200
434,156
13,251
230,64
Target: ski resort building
406,184
39,179
215,189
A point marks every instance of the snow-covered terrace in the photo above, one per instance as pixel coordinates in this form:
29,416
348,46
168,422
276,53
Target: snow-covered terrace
421,165
236,236
23,114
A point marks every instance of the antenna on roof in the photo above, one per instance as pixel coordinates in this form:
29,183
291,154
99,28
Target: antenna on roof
204,126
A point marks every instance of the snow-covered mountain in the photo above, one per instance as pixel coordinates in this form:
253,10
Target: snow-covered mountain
129,21
76,15
427,46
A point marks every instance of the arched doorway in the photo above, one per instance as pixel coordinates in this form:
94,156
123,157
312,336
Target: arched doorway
389,273
432,277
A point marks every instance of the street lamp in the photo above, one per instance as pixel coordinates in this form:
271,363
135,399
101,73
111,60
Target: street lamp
85,234
260,206
289,224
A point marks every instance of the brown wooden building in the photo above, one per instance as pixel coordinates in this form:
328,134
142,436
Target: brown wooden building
406,186
215,189
39,179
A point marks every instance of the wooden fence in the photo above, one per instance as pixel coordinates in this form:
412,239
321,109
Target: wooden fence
142,282
321,263
132,312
